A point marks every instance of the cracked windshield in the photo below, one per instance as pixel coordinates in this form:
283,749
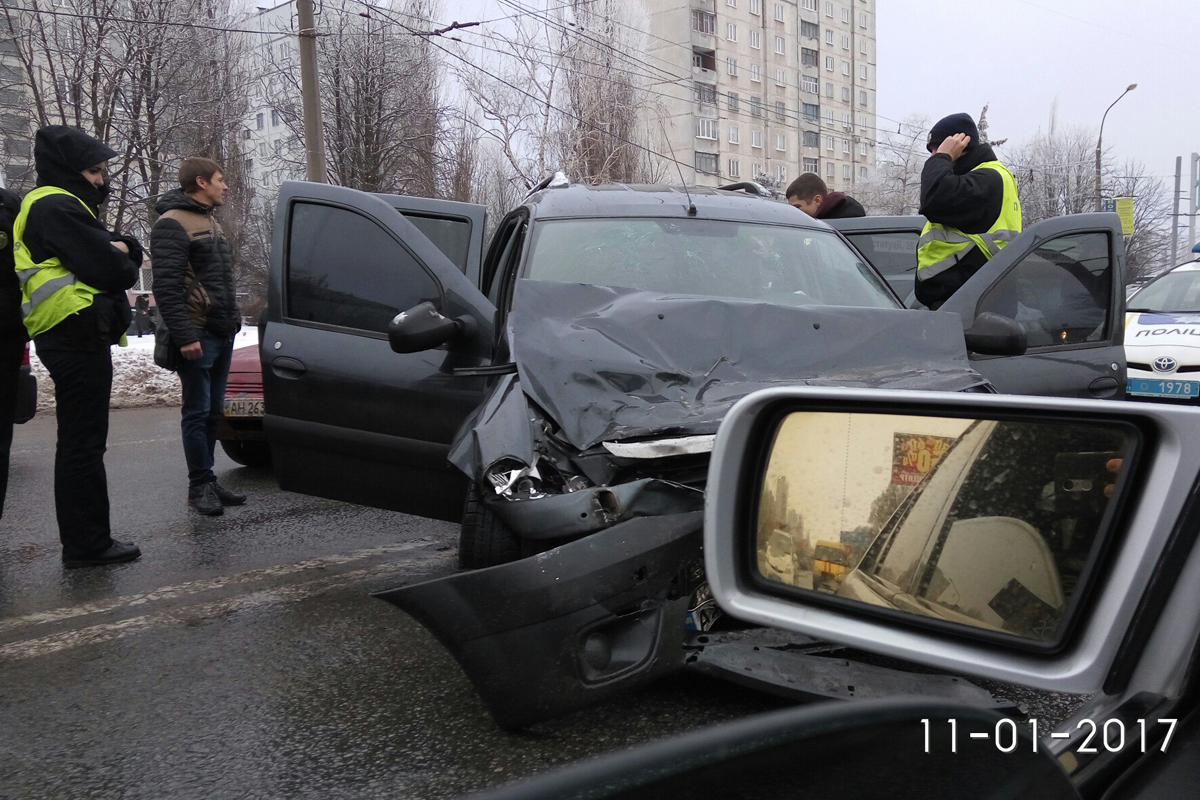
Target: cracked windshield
986,523
775,264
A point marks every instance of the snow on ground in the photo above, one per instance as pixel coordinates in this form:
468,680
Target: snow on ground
137,381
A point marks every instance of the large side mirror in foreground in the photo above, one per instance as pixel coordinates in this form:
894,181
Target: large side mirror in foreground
1011,538
996,335
421,328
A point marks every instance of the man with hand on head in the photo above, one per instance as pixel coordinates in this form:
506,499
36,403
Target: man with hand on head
969,200
73,273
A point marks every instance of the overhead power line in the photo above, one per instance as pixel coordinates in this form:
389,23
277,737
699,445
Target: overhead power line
155,22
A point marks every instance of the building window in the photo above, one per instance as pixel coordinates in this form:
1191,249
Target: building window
756,139
862,71
809,58
731,32
734,136
810,5
811,111
829,36
845,42
862,148
810,30
703,58
829,9
829,63
756,7
704,22
846,121
731,66
829,90
707,162
812,139
733,101
810,165
846,15
829,143
829,115
706,93
782,174
780,110
779,12
755,39
735,169
246,134
706,128
847,172
781,142
810,84
754,73
262,149
862,20
846,146
829,169
845,94
780,78
862,98
779,45
757,171
845,67
731,3
862,45
258,121
862,173
755,106
274,118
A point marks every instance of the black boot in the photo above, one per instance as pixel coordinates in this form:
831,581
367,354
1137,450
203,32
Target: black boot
204,499
227,497
115,553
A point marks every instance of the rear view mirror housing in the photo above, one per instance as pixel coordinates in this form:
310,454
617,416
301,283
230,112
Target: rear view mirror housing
423,327
996,335
934,611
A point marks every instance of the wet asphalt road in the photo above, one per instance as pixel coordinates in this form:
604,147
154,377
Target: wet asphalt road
243,657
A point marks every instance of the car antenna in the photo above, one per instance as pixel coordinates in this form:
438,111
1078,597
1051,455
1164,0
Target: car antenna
691,207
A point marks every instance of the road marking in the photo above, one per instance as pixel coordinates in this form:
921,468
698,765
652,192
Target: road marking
109,631
171,592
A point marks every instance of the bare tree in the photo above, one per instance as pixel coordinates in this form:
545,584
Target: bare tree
1148,250
895,188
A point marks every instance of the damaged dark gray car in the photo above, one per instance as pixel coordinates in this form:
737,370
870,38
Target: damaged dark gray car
560,395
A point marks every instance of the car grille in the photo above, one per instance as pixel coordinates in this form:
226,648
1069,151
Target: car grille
1147,368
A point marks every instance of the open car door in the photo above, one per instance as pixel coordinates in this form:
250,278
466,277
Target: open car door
348,418
890,244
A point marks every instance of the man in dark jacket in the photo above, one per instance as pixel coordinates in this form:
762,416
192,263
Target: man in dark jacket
970,202
12,335
810,194
193,287
74,273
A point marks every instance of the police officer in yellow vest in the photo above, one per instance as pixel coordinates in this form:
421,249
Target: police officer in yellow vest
73,273
969,200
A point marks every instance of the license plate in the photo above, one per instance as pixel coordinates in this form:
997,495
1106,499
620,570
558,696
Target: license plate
244,408
1153,387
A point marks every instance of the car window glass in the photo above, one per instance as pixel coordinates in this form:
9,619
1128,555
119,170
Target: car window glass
451,236
773,263
346,270
1060,292
1174,292
894,254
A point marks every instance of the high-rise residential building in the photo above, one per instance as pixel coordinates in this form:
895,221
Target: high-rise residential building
767,88
271,150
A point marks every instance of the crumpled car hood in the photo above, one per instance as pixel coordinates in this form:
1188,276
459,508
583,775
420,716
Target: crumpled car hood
609,364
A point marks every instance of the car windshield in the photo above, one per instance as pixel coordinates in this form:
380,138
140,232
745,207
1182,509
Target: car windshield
773,263
1174,292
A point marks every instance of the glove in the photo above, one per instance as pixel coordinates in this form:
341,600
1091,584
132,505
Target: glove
136,253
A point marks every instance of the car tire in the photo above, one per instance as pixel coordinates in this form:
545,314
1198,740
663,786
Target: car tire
484,540
248,454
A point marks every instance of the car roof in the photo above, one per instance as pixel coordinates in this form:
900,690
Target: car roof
1191,266
656,200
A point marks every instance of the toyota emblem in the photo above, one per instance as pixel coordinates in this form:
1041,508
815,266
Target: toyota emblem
1165,364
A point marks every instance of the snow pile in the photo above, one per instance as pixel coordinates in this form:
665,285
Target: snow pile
137,381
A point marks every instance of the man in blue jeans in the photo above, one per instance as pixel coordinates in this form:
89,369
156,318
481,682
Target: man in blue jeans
193,287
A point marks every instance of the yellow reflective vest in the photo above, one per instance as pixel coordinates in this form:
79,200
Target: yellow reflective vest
940,247
49,291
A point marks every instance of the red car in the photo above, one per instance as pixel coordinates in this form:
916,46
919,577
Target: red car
241,431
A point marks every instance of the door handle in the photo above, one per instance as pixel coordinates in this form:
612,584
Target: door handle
289,368
1104,387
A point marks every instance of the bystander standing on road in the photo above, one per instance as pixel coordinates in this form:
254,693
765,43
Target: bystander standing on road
141,315
192,264
73,273
12,334
810,194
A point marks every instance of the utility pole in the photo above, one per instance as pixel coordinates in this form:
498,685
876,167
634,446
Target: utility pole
314,131
1175,213
1193,187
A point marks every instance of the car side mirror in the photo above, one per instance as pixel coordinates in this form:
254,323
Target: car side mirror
422,328
996,335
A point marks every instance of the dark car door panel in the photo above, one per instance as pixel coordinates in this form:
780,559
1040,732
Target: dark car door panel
346,416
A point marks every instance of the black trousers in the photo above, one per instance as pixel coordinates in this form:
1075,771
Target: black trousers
82,388
12,349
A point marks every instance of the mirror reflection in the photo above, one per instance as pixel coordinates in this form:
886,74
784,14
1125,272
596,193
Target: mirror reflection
987,523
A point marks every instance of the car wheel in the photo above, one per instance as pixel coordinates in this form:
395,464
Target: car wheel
484,540
248,454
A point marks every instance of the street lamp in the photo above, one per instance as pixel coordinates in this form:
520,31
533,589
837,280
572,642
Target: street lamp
1100,139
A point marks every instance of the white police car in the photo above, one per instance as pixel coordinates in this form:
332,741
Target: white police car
1162,337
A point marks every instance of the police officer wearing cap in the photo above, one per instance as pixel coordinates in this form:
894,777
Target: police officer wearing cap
969,200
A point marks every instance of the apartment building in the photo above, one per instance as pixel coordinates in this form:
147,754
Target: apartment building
271,150
767,88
